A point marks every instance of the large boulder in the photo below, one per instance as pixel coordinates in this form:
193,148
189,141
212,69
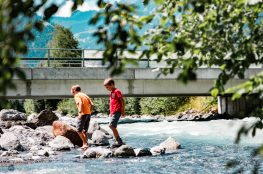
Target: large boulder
60,128
30,137
124,151
9,141
47,129
170,144
98,152
143,152
100,138
69,120
60,143
45,117
12,115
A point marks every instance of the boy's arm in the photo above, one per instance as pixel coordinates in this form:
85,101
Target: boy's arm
79,105
91,105
123,107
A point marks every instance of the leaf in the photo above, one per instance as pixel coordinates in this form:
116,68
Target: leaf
50,11
146,2
214,92
158,2
146,19
76,4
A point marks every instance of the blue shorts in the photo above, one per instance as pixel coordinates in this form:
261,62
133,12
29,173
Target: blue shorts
115,119
83,123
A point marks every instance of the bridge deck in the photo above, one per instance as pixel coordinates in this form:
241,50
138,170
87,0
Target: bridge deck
56,82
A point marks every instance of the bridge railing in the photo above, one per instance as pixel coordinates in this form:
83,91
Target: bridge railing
53,57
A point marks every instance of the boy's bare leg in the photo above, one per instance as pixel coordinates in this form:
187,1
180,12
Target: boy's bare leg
81,135
84,133
115,132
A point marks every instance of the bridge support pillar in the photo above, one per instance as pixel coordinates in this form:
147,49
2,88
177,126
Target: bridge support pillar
238,108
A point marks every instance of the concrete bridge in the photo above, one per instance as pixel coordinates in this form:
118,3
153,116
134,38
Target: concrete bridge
49,83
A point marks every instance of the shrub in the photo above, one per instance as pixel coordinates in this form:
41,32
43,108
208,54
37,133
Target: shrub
67,106
29,106
13,104
200,104
161,105
101,105
132,105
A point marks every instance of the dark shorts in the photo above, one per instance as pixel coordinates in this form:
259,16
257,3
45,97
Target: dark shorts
83,123
114,119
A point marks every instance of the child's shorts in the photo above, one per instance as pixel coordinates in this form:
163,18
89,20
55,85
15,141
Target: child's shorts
114,119
83,123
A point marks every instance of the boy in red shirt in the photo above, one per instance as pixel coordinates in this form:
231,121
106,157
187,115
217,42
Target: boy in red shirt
117,109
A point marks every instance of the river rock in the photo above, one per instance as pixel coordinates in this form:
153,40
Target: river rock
43,153
60,128
36,158
98,152
60,143
9,141
143,152
69,120
30,137
45,117
93,127
12,115
193,115
158,150
1,131
124,151
100,138
170,144
47,129
10,153
16,160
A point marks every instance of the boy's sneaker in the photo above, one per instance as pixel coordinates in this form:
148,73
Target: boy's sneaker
117,143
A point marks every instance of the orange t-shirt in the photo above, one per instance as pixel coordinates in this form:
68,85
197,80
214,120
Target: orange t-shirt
84,100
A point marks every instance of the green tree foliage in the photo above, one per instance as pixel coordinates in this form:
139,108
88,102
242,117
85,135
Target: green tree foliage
161,105
36,106
68,106
63,38
132,106
13,104
101,105
29,106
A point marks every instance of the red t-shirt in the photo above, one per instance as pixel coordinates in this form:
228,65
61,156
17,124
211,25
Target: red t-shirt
115,101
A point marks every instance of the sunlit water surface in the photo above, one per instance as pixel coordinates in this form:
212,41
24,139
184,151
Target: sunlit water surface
206,148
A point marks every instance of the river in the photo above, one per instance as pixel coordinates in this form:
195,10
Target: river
206,148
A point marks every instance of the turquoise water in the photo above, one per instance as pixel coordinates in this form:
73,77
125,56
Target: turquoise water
206,148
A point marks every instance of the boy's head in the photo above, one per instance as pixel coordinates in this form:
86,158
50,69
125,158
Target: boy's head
75,89
109,84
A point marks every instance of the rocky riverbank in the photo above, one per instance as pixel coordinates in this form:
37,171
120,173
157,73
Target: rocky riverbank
44,136
189,115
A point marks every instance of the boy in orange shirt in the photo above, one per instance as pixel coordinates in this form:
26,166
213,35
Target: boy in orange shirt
85,106
117,109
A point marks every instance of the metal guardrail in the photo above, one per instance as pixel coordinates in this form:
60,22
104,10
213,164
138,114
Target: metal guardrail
46,57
